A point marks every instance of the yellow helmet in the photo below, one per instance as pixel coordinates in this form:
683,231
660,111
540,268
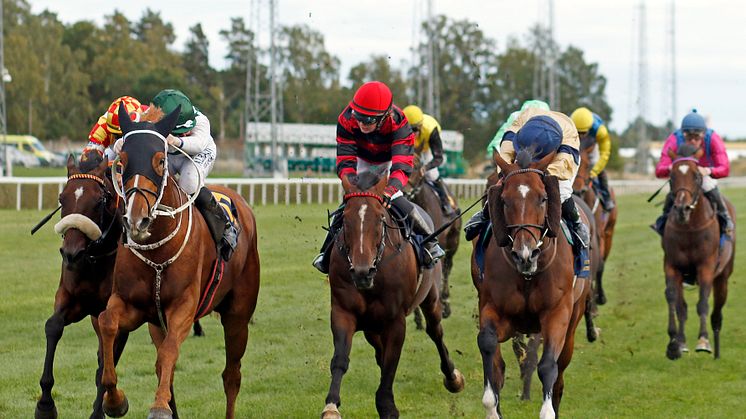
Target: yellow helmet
414,114
583,119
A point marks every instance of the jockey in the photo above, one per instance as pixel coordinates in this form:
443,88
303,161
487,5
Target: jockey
429,147
591,126
372,132
546,132
106,130
494,145
192,135
712,165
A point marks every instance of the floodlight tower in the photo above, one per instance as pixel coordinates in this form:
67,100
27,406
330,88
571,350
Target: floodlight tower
433,86
546,86
4,77
643,144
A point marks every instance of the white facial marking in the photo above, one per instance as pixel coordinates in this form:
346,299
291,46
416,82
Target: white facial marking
683,169
361,213
525,252
78,193
523,189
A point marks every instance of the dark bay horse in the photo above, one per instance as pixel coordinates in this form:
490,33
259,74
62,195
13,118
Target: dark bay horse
693,248
528,284
90,229
166,265
374,285
424,196
605,220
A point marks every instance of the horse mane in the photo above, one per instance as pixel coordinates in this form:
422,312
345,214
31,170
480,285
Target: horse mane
524,158
366,180
686,150
90,161
152,114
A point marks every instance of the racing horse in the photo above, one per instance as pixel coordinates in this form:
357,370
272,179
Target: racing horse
374,285
605,220
528,284
693,248
90,228
164,270
425,196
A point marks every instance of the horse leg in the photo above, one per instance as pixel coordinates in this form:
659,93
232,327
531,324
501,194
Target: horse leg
53,330
236,335
453,379
110,321
720,294
445,288
374,340
198,331
418,322
343,327
392,339
119,343
526,349
600,294
590,328
554,325
565,355
157,335
704,275
493,365
674,298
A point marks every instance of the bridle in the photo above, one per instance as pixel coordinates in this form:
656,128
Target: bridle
694,194
516,228
381,246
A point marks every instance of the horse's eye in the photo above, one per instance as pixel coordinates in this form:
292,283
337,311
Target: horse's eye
544,199
162,162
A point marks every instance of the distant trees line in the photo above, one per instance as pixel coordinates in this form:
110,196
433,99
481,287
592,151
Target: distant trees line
65,75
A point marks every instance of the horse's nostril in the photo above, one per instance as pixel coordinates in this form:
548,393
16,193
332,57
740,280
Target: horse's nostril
535,253
144,223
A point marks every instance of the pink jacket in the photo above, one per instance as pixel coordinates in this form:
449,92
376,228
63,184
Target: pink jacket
718,161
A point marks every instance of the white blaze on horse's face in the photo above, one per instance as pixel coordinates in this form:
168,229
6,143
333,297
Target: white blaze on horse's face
361,213
78,193
523,190
683,169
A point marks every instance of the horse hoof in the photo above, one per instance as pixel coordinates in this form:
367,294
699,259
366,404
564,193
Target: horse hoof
601,299
330,412
703,346
673,352
117,411
446,310
455,385
160,413
42,413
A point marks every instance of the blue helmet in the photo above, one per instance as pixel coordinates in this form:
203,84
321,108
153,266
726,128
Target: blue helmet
541,135
693,121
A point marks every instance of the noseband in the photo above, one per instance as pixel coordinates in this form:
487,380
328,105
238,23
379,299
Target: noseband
694,194
105,196
381,246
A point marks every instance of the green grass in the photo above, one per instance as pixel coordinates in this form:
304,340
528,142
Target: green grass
286,368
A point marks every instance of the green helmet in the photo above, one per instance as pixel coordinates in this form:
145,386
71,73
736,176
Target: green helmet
168,100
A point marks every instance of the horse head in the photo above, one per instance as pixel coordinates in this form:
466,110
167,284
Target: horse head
414,185
144,170
364,226
685,181
88,207
524,208
583,179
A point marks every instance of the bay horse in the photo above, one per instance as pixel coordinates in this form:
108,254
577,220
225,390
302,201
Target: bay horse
425,196
528,285
90,228
693,248
374,285
165,267
605,220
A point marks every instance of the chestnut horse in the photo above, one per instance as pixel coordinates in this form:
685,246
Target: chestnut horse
426,197
605,220
91,228
165,266
374,285
693,248
528,284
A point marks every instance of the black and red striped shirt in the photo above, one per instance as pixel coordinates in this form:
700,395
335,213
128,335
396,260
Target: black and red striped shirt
393,141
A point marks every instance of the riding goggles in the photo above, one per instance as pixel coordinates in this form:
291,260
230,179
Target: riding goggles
366,119
693,132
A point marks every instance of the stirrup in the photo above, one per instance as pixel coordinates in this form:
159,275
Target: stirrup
318,263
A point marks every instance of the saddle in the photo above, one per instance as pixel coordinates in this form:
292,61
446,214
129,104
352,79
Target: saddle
416,240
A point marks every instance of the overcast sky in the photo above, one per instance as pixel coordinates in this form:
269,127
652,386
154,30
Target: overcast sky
710,40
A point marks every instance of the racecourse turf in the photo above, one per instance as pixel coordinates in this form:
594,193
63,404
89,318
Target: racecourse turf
625,374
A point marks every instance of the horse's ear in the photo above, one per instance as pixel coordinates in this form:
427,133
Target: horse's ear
545,161
554,205
125,123
101,169
346,183
72,167
167,124
497,215
502,164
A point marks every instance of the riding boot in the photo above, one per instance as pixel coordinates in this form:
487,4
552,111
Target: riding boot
726,223
432,248
442,191
572,216
223,231
660,222
476,223
321,261
606,201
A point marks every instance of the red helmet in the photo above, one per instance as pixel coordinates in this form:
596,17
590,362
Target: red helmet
372,98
